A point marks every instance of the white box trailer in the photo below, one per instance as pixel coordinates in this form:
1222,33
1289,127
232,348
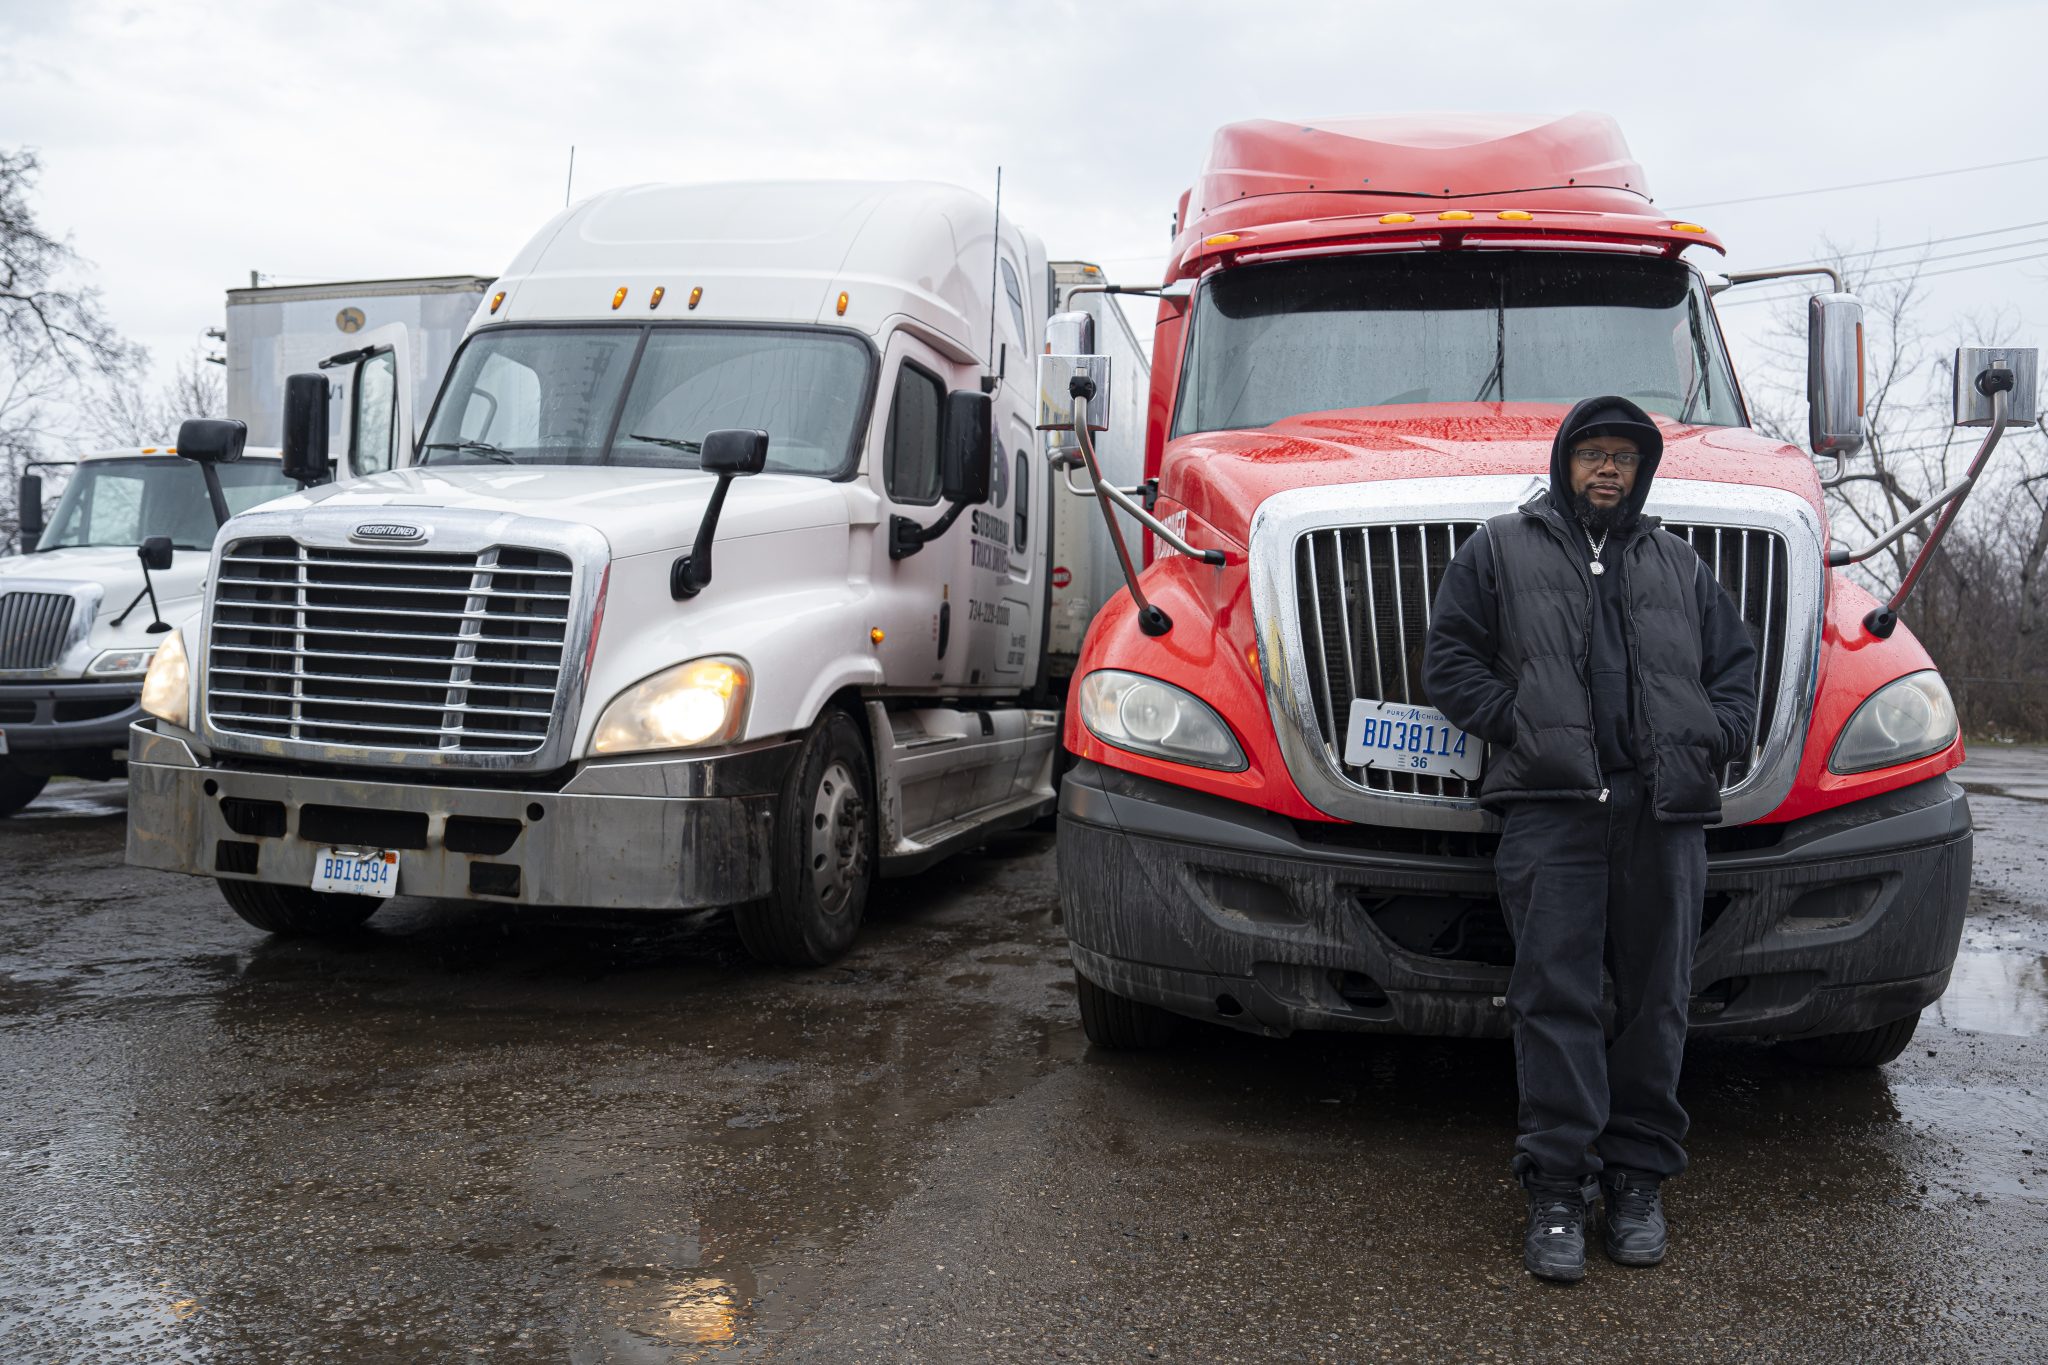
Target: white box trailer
278,330
506,670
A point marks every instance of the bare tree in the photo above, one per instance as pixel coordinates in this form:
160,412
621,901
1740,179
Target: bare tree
126,414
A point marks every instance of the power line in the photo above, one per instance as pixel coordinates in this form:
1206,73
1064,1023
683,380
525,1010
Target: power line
1921,245
1900,278
1864,184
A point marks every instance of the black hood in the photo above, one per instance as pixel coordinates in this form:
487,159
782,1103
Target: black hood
1605,416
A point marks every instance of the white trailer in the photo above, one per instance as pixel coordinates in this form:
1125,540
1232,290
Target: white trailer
721,574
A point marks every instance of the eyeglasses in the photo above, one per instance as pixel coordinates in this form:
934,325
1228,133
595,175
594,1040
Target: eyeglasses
1624,460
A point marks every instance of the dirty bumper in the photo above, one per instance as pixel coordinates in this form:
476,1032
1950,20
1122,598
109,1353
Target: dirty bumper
1215,910
652,835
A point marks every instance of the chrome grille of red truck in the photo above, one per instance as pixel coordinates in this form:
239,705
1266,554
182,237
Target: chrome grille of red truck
33,628
452,653
1365,596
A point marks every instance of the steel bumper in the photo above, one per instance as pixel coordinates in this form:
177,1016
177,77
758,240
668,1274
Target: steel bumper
1219,911
664,834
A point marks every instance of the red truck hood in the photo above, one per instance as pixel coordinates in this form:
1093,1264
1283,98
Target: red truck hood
1223,476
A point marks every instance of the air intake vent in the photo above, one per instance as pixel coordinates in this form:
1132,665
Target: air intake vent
33,628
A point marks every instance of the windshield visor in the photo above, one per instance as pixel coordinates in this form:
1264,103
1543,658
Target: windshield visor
649,395
1274,341
123,502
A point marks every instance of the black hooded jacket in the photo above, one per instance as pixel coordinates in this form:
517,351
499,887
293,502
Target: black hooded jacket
1572,675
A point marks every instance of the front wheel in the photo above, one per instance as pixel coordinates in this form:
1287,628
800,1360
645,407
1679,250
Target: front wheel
18,788
297,911
1864,1048
824,852
1112,1021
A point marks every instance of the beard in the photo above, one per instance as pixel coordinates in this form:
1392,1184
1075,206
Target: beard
1598,519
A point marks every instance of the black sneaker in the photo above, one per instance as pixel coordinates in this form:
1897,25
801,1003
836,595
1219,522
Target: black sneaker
1634,1232
1554,1246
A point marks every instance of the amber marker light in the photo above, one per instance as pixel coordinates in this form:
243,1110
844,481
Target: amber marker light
1454,216
841,309
1397,218
875,635
618,297
696,297
1514,216
654,299
1220,239
497,300
1687,227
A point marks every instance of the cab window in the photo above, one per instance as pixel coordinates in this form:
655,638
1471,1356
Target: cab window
374,438
910,448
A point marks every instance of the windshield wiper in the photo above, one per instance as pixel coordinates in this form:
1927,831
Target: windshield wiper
1497,377
668,443
484,448
1699,360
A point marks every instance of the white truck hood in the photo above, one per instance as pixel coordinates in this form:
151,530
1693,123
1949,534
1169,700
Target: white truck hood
119,573
639,511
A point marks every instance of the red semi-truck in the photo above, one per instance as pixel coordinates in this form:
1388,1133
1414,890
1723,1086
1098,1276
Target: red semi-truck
1367,333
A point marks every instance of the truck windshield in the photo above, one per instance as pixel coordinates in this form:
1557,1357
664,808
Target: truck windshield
1274,341
649,395
122,502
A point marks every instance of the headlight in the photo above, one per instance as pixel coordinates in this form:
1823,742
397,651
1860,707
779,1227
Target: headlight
1903,720
167,688
120,663
700,702
1148,716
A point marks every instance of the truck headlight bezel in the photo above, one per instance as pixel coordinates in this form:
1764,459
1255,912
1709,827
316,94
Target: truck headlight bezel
167,684
1909,718
688,706
1148,716
118,665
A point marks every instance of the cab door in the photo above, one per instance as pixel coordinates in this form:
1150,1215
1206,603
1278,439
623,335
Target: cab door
371,394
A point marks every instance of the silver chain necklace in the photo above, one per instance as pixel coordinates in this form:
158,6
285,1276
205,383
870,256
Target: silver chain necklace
1598,546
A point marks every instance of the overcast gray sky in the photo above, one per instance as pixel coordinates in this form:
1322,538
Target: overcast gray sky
185,145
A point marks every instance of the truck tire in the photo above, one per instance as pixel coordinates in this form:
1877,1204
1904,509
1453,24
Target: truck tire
18,788
824,852
1864,1048
1111,1021
296,911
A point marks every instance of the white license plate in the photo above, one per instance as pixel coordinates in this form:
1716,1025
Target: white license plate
356,872
1409,739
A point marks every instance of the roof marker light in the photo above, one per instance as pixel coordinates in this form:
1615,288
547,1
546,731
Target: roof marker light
1220,239
1397,218
1514,216
149,450
1454,216
497,299
618,297
654,299
696,297
1687,227
841,308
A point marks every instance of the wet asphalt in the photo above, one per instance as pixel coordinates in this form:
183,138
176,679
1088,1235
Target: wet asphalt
494,1135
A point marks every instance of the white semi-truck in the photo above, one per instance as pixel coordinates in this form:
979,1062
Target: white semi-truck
722,573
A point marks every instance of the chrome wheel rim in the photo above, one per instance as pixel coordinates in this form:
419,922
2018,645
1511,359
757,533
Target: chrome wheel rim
838,839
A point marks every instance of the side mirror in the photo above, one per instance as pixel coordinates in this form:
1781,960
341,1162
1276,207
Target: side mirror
966,447
29,511
1834,375
728,454
212,440
734,451
155,553
305,429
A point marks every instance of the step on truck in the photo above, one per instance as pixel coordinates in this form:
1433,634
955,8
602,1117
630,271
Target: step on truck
723,573
82,608
1366,336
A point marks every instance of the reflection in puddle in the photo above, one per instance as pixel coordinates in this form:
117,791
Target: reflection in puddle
699,1312
1996,989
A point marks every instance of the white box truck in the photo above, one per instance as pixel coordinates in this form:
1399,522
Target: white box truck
721,574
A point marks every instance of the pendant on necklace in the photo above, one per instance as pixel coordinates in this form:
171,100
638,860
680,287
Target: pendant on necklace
1598,568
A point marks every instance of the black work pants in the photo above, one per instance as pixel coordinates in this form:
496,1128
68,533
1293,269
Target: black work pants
1586,884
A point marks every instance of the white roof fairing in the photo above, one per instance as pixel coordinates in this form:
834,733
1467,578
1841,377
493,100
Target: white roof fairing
772,251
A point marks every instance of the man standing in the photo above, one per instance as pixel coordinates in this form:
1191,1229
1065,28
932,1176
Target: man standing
1599,657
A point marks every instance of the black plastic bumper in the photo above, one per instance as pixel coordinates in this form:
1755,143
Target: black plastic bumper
1219,911
68,723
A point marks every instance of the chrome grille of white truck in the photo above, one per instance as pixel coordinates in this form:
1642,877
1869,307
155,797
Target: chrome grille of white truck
33,628
1365,594
415,651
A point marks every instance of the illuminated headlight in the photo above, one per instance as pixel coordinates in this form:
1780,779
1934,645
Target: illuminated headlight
167,687
1147,716
120,663
1903,720
700,702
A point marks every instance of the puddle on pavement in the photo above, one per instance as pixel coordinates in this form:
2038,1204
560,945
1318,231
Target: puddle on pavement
2000,985
77,801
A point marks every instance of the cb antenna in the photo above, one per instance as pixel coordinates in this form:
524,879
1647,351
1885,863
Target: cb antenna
995,254
570,188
